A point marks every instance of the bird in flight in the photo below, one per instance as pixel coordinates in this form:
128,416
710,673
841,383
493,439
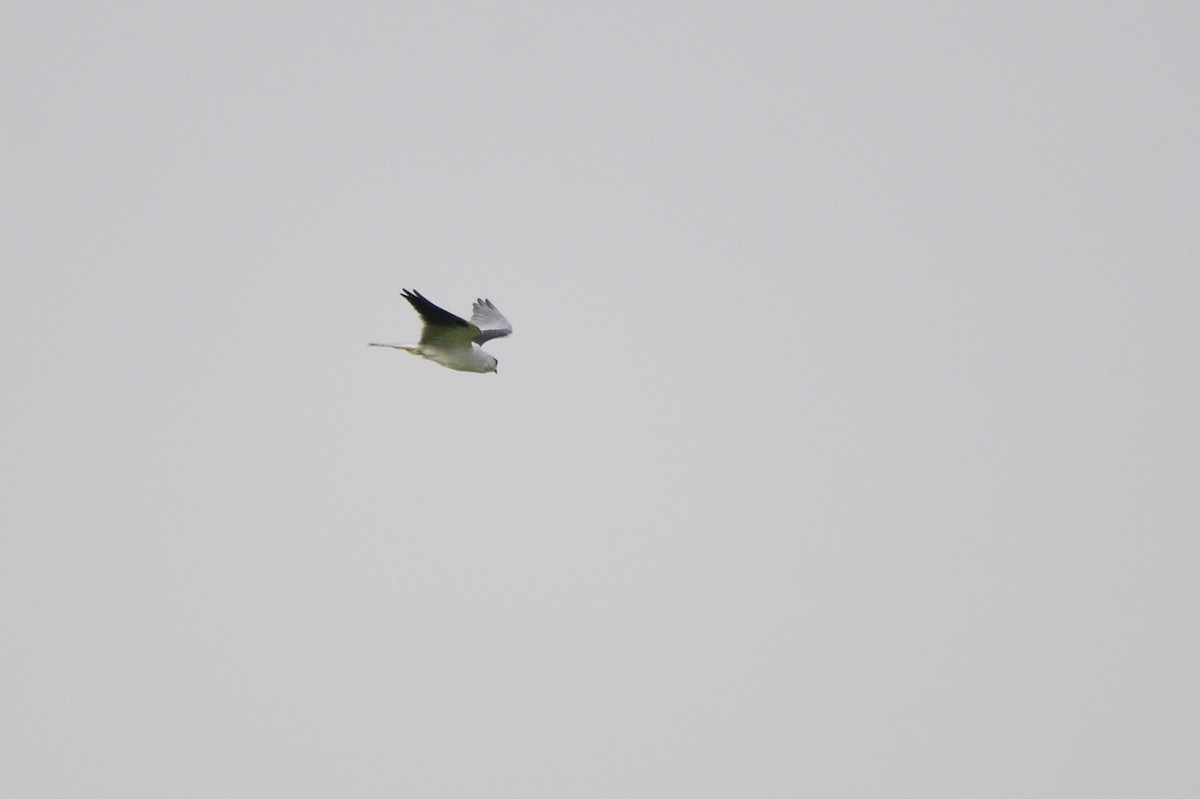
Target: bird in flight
453,341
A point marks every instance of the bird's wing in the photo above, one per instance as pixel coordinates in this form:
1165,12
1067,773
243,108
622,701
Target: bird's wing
442,328
491,322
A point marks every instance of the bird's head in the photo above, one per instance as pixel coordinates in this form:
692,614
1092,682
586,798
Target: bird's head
492,363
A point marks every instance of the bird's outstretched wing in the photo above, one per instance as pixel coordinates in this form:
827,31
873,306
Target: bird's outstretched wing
442,328
490,322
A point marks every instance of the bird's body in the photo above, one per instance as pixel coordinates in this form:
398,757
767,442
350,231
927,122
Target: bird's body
452,341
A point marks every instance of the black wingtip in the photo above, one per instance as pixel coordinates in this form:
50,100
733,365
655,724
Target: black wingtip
430,313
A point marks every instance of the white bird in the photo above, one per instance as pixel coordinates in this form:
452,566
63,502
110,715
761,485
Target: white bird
453,341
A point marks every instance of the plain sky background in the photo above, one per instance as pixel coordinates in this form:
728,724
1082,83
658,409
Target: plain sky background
847,443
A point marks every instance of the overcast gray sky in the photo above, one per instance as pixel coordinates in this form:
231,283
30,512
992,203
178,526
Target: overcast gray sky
847,443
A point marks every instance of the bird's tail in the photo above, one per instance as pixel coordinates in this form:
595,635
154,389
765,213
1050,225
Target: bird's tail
415,349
